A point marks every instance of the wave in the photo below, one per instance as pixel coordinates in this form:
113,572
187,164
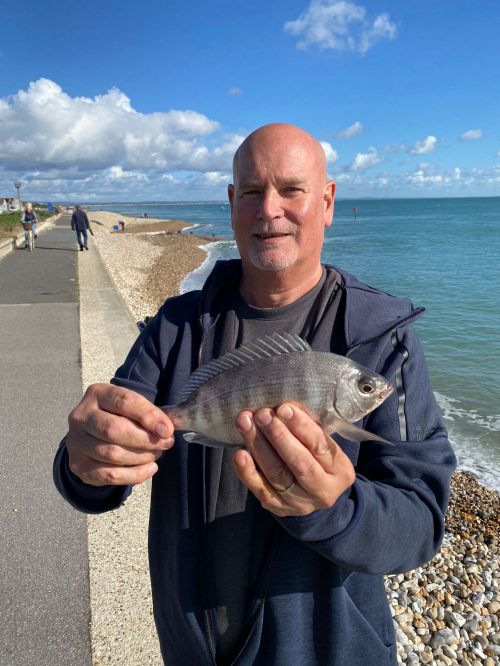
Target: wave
222,249
452,411
474,438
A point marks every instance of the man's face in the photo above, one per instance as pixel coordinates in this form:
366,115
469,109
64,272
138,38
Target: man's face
280,201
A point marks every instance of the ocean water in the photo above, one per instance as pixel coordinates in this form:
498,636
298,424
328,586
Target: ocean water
442,253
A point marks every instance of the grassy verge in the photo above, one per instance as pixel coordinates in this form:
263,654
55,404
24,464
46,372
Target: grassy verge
10,223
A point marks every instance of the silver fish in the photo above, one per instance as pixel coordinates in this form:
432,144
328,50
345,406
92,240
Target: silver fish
335,390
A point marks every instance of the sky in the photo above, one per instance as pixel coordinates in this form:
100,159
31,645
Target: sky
121,100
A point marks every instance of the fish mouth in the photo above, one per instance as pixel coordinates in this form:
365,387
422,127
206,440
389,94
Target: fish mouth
386,392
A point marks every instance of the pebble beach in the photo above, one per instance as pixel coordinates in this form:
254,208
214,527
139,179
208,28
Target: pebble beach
445,613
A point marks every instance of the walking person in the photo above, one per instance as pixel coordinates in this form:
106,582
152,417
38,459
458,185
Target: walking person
273,554
28,217
80,224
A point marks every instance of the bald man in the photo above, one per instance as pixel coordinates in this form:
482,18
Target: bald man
274,554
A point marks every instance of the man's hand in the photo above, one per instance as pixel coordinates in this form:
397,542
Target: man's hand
291,465
115,436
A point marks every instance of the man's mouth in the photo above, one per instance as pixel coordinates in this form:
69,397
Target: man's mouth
271,235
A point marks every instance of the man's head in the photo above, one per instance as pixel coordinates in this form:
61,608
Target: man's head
281,202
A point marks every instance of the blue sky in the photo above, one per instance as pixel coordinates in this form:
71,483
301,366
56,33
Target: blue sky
127,101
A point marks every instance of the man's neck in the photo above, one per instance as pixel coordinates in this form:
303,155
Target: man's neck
274,289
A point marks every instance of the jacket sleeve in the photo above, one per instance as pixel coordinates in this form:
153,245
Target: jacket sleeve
392,519
139,373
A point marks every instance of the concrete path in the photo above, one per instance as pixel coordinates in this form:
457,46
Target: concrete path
44,585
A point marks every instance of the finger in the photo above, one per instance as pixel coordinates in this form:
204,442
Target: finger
98,474
257,483
123,402
338,468
98,426
311,434
114,454
93,416
268,461
307,472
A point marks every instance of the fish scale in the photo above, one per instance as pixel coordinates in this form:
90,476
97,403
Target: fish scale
277,368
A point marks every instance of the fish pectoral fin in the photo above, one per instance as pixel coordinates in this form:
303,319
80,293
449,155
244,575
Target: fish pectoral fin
196,438
355,434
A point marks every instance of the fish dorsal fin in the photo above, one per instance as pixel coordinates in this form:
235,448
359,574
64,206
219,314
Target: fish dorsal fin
266,347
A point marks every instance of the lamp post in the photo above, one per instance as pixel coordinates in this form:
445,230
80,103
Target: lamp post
18,185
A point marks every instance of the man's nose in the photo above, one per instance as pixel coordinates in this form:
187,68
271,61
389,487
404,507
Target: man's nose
270,205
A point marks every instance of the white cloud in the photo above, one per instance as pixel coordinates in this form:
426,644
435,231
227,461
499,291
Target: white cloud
330,152
472,134
426,174
235,91
43,127
339,25
353,130
382,28
423,147
364,161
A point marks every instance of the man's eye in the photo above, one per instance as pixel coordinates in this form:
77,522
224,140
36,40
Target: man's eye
293,190
249,193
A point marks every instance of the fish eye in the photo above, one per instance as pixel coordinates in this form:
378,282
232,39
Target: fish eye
365,386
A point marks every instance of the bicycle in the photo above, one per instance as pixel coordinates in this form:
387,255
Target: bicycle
29,236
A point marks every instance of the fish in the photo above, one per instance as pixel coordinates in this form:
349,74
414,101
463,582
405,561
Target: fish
335,390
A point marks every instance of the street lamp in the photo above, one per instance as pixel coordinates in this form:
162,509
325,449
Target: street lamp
18,185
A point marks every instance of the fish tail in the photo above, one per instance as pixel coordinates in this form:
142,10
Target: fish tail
175,414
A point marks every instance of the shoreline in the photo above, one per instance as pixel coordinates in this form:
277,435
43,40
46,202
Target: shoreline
446,612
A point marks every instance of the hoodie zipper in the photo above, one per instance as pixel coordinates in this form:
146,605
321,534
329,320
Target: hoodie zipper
401,393
208,629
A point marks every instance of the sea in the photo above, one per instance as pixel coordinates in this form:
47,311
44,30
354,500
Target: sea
444,254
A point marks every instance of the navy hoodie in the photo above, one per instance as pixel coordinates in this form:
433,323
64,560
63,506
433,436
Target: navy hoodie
320,599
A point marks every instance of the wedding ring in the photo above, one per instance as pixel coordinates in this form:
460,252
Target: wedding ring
287,490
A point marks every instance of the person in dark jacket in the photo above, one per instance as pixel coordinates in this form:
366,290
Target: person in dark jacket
275,554
80,224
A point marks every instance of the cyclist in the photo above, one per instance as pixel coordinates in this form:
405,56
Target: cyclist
29,217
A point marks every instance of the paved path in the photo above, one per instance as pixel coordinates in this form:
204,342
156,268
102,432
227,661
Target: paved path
44,587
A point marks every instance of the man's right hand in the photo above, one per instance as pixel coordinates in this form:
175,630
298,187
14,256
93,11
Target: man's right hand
115,436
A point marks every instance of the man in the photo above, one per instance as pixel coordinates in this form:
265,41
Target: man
275,555
80,224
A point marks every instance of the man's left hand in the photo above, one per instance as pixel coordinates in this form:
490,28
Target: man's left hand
291,464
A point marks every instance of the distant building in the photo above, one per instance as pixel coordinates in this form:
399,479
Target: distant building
7,204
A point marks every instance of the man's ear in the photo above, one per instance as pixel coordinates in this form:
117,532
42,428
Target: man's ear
230,196
329,199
